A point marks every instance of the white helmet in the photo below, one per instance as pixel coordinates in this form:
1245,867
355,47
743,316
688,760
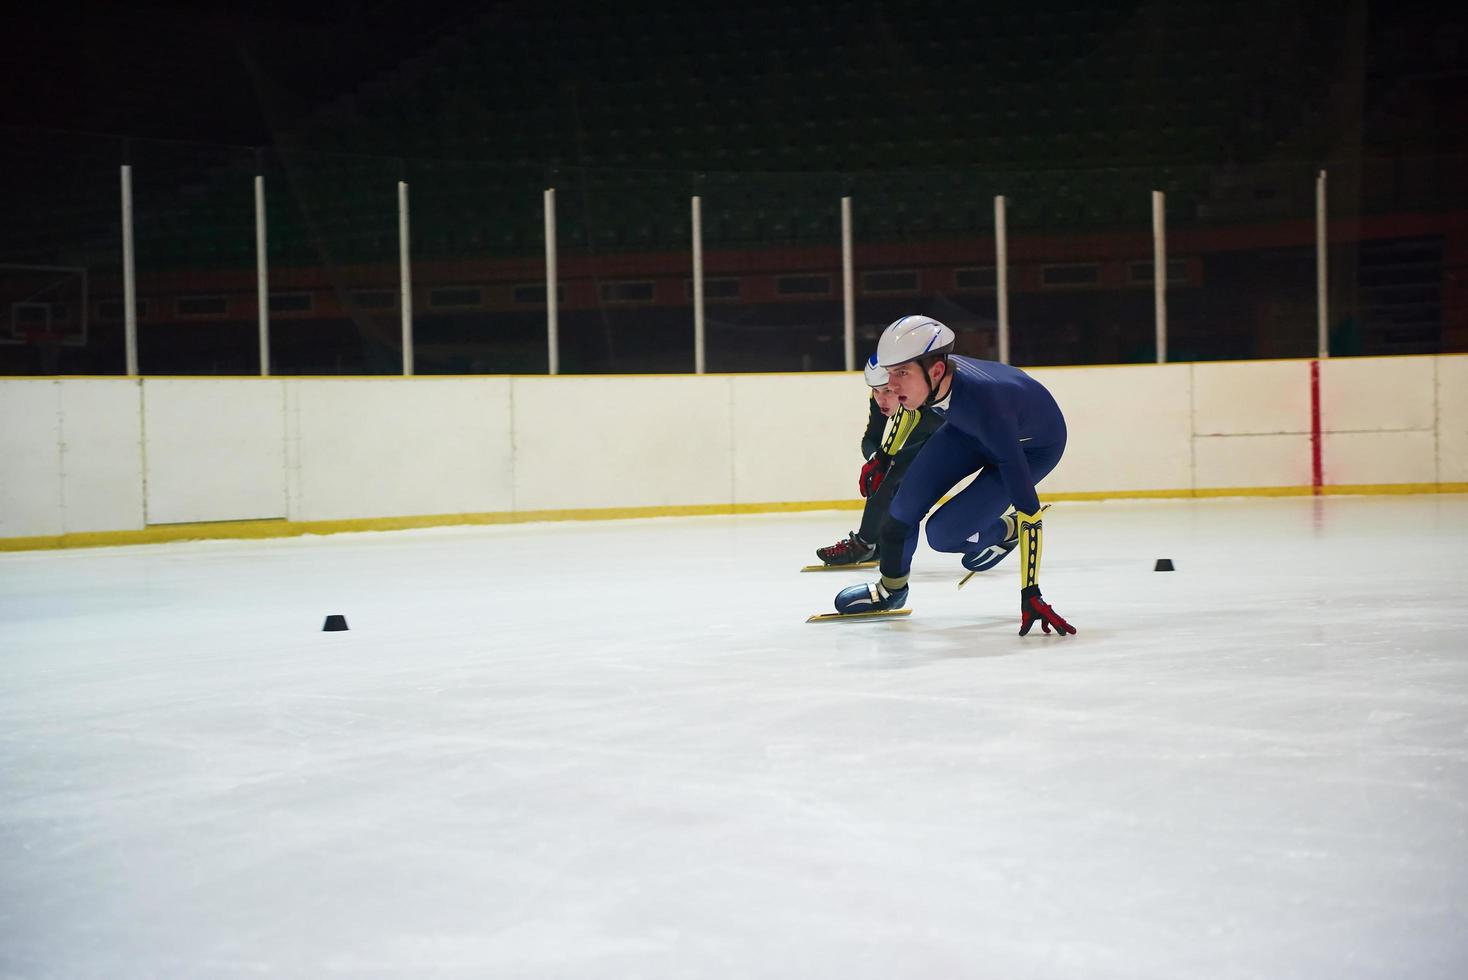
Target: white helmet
876,375
911,338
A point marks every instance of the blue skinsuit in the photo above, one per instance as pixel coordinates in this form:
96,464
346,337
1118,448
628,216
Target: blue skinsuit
999,421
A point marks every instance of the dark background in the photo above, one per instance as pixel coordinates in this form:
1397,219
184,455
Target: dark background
210,71
921,112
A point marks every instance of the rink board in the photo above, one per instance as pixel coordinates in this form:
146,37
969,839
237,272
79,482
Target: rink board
84,458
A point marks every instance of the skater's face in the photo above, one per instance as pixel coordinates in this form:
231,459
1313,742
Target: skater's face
912,384
886,400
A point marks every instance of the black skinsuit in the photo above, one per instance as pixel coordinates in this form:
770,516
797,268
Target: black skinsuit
877,503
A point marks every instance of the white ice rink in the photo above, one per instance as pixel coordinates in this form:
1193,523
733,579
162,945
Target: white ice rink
617,750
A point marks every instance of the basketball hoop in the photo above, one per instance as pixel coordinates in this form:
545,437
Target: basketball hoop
43,306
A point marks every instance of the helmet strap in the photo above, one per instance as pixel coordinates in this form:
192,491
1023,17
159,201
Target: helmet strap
933,388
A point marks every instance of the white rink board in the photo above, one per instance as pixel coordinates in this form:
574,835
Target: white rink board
1129,428
30,458
394,447
652,441
1243,398
343,449
1374,394
1379,457
101,455
1225,462
1452,408
797,437
215,450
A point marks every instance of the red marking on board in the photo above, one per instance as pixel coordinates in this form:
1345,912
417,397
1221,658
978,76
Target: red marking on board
1315,466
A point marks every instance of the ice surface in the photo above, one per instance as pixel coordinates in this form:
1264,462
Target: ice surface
617,749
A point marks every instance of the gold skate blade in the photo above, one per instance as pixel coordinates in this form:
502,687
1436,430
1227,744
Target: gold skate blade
877,614
839,568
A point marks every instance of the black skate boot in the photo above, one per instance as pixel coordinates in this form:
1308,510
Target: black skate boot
849,551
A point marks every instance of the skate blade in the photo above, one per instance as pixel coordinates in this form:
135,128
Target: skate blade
878,614
839,568
964,581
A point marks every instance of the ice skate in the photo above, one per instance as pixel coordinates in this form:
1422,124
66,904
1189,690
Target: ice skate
851,550
866,602
982,561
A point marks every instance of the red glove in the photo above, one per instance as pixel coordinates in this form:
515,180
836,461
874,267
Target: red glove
1032,608
872,473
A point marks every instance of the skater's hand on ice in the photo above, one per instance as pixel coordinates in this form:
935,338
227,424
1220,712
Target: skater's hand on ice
872,472
1033,608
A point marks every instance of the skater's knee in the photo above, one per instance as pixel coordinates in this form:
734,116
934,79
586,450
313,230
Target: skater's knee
892,525
954,534
893,533
942,537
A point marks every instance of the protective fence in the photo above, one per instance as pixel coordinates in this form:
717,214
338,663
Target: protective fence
679,271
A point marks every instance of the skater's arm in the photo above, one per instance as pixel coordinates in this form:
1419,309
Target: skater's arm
871,440
1032,605
899,429
1031,542
874,470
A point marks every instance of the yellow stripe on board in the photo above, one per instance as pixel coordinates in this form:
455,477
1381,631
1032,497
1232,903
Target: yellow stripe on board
224,530
1373,489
